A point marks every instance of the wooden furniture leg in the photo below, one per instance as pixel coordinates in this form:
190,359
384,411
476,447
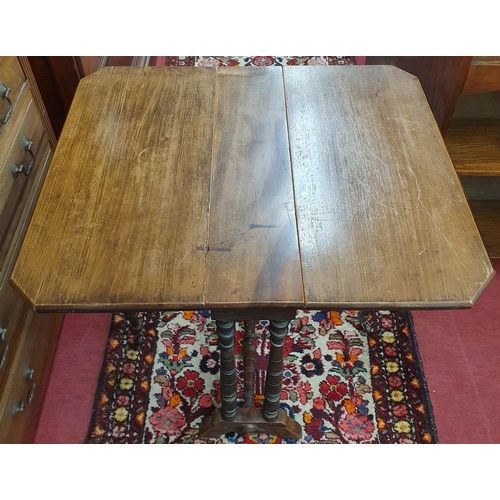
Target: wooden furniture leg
271,418
249,353
229,404
134,321
278,331
135,325
364,318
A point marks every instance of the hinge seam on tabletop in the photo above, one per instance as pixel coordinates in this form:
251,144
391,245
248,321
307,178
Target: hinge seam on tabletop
293,184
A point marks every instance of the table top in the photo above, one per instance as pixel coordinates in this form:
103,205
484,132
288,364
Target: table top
186,188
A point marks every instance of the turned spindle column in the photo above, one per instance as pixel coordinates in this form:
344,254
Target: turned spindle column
225,333
278,331
249,353
134,321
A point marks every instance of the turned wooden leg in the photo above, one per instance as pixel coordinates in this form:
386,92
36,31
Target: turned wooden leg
272,393
229,406
249,353
230,418
363,318
134,321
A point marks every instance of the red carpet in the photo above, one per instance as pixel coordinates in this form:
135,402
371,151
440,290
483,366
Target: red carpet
461,354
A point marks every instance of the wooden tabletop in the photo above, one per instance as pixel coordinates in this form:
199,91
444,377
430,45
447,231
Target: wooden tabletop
183,188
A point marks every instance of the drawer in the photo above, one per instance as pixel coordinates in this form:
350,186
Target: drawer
12,316
14,191
22,398
20,221
12,78
10,130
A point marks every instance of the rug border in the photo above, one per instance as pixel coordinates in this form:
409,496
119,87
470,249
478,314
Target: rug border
102,375
419,366
98,389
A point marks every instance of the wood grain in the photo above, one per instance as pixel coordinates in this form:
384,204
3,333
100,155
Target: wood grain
171,188
253,256
126,198
382,218
474,133
483,75
442,79
474,146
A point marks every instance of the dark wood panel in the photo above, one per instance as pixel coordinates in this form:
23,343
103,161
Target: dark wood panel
487,216
57,80
25,392
87,65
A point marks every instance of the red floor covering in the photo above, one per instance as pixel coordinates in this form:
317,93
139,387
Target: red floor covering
460,352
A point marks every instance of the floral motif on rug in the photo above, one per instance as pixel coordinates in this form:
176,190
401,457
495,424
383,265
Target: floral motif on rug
340,384
259,60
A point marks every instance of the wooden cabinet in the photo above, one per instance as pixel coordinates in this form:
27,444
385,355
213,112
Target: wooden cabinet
464,95
35,96
27,340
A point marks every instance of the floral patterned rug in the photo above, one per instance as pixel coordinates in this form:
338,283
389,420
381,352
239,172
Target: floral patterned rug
341,384
258,60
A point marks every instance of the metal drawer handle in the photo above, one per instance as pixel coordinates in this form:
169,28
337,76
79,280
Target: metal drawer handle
3,355
17,169
21,405
4,94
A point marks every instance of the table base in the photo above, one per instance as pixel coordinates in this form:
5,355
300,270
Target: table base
230,417
250,420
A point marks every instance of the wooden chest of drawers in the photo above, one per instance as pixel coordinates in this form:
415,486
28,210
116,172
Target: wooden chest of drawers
27,340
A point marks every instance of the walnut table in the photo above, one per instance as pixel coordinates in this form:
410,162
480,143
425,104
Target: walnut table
251,192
